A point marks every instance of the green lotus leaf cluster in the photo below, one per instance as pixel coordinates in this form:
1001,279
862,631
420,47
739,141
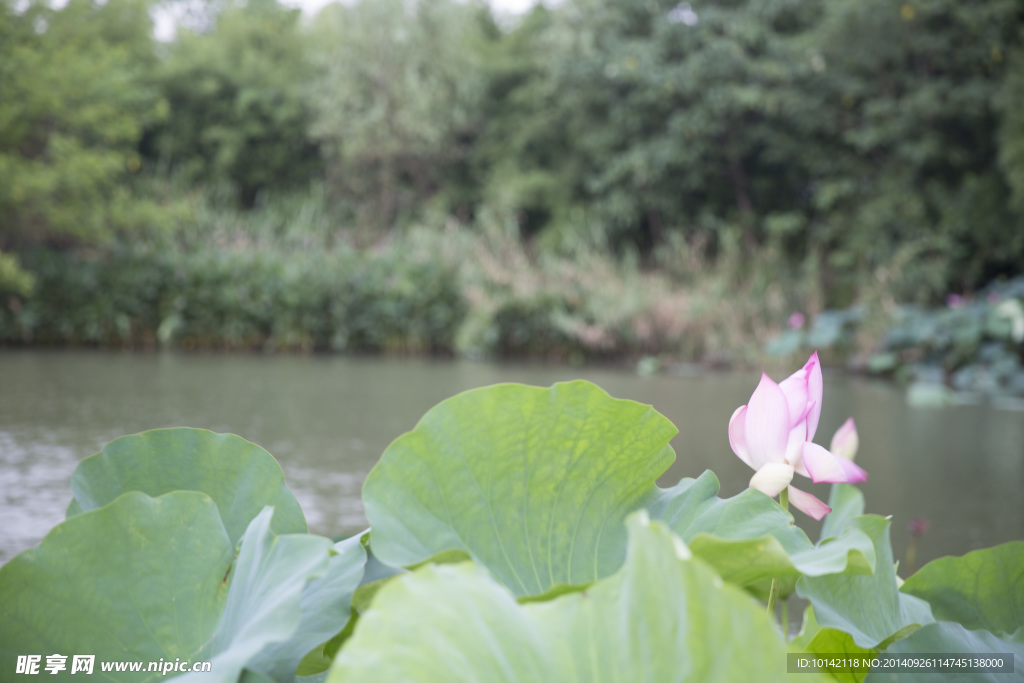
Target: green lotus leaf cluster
180,544
664,616
517,534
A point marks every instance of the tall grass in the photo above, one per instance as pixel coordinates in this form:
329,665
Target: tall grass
292,275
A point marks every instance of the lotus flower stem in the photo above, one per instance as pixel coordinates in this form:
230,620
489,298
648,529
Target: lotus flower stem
784,618
773,596
918,527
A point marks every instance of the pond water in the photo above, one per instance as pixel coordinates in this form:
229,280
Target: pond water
327,419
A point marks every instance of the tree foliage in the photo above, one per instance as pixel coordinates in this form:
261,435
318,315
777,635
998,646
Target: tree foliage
239,113
397,98
864,134
910,92
880,142
74,101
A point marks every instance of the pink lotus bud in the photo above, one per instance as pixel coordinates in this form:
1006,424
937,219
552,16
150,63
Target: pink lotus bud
918,526
844,441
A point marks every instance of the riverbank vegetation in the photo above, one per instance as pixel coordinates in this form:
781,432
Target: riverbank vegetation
599,179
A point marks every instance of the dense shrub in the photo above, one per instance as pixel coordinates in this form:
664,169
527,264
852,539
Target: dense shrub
246,299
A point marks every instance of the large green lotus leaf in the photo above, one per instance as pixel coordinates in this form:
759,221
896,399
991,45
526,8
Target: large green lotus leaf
692,507
748,562
983,589
847,503
147,578
813,639
868,607
140,579
535,483
748,538
829,641
264,604
946,637
326,604
663,617
239,476
808,629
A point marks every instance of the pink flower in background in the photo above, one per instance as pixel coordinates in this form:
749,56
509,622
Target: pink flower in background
796,320
773,433
955,301
993,297
844,441
918,526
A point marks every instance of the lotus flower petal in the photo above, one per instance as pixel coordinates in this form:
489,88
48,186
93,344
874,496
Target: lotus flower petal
800,467
815,387
767,424
797,399
807,504
803,391
797,437
738,434
826,467
796,459
844,441
772,478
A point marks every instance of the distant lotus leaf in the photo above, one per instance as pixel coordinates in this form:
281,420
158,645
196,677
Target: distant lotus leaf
983,589
144,579
535,483
663,617
238,475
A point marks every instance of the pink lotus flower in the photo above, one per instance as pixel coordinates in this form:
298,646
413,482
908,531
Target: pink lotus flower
773,434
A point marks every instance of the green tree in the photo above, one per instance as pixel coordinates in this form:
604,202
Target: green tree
13,278
522,156
1010,103
73,105
863,135
907,95
673,118
397,101
237,100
